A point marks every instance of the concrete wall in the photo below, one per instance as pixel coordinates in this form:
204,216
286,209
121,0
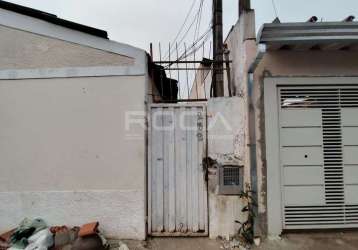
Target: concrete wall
67,156
242,50
291,64
226,135
231,146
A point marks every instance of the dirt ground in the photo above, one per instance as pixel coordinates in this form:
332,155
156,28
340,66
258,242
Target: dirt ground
312,241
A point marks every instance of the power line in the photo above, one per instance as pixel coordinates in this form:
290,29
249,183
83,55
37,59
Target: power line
198,23
182,26
186,19
188,29
195,48
274,7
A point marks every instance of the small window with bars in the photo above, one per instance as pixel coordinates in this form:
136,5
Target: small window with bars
231,180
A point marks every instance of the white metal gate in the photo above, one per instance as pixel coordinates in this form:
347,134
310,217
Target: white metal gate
319,156
177,189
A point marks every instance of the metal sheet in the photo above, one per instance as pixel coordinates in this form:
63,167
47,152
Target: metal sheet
350,117
301,118
351,194
301,137
304,196
350,136
351,174
177,187
303,175
301,156
351,155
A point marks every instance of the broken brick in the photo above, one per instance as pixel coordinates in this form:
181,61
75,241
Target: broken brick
89,229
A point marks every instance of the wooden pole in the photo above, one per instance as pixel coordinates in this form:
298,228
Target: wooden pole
218,50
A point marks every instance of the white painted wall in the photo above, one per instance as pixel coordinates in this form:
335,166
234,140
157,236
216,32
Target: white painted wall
66,156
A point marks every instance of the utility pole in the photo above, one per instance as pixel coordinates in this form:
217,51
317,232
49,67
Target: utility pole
218,53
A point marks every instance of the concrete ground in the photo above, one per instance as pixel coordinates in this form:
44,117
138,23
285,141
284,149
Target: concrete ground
312,241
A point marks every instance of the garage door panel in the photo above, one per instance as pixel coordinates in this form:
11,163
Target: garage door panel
350,136
298,156
352,194
301,118
319,155
351,155
351,174
350,117
301,136
304,196
304,175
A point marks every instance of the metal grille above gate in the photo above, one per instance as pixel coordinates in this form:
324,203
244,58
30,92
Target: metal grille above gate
319,156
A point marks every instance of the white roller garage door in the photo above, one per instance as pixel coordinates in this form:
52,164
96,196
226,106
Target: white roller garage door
318,130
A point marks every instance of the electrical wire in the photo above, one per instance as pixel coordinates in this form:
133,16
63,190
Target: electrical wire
183,25
188,29
198,23
274,7
192,49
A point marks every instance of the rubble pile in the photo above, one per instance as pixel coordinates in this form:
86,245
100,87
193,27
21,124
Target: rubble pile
36,235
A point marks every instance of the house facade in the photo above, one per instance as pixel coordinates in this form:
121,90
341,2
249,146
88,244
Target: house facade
67,153
91,130
299,83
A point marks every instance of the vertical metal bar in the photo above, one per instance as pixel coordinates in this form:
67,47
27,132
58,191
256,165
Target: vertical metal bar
161,71
200,144
195,177
196,73
205,155
212,74
204,74
170,77
178,169
150,172
151,50
172,162
153,96
190,178
166,162
186,71
176,47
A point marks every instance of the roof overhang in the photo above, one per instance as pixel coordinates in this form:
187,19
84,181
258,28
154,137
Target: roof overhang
309,36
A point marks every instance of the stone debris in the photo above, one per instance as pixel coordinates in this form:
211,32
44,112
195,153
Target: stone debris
88,229
123,246
257,241
36,235
234,244
41,240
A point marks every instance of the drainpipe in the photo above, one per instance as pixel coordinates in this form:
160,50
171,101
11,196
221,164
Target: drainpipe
252,131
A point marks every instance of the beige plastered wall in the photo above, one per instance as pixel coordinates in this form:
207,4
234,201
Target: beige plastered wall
25,50
72,149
